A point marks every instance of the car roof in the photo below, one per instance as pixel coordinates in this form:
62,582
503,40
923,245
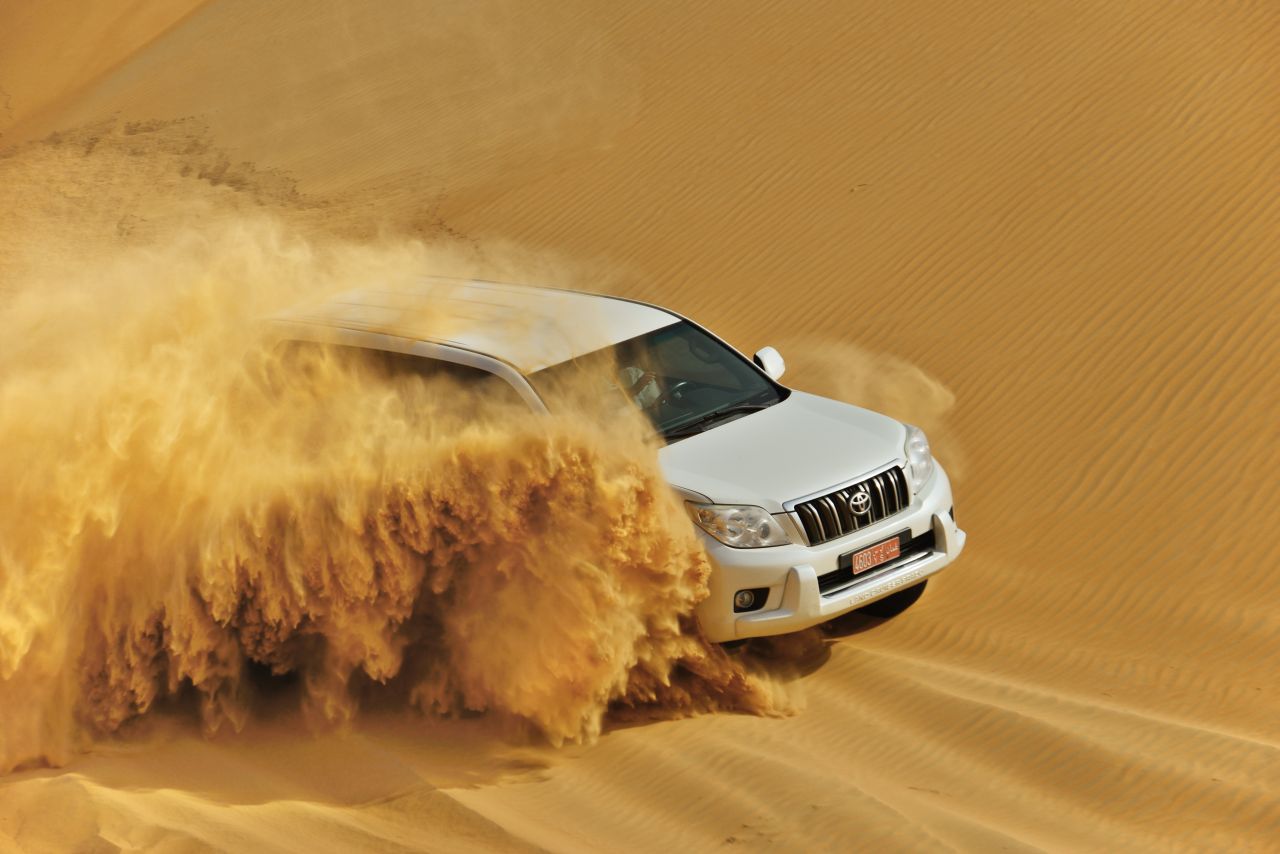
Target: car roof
528,326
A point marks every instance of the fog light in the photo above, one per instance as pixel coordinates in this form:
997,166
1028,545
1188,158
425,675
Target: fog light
744,599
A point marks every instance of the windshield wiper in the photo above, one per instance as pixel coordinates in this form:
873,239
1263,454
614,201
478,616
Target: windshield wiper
701,424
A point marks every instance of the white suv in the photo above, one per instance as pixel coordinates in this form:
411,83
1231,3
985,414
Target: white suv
808,508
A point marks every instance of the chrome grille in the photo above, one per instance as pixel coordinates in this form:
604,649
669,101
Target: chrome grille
854,507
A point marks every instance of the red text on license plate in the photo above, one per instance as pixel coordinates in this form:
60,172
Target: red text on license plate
876,555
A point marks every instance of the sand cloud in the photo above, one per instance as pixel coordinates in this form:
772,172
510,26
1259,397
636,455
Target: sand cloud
183,509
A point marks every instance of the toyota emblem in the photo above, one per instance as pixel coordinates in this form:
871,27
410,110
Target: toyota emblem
860,502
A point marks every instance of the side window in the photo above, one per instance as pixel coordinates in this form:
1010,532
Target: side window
486,386
412,373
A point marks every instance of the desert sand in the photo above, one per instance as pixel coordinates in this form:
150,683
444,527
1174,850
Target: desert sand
1050,234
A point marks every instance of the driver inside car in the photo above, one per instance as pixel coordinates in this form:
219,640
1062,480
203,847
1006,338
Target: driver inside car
641,385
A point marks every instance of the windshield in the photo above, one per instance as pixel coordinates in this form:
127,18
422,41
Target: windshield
683,379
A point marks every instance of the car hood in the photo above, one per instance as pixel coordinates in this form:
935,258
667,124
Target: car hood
792,449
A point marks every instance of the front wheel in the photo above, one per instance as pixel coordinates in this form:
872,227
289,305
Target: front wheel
895,603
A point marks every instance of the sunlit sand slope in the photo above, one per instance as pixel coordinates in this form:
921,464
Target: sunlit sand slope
1051,235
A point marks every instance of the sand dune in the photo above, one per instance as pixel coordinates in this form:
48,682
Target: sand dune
1049,234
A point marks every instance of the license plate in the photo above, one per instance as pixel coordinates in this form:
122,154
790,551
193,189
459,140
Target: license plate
874,556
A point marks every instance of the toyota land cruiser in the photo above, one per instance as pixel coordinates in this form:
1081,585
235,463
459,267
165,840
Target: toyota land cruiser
808,508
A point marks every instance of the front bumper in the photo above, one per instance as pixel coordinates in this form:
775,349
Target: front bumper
791,573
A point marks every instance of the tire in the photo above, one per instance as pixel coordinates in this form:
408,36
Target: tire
895,603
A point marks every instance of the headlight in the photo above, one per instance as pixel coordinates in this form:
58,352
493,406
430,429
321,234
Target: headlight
919,458
742,527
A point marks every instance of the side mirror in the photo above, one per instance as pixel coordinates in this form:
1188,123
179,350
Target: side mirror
770,361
